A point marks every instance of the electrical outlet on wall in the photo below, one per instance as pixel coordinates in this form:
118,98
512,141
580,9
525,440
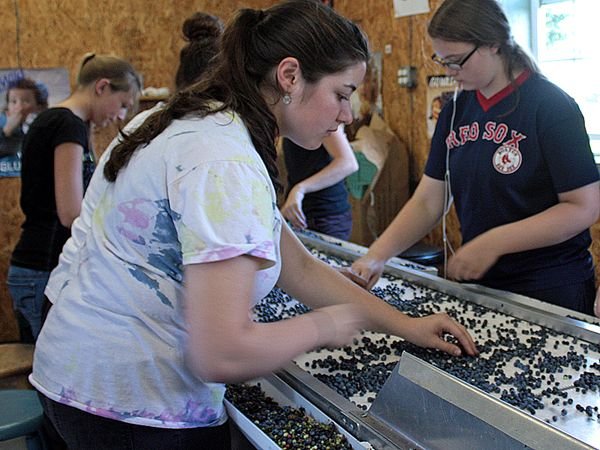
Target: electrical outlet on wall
407,76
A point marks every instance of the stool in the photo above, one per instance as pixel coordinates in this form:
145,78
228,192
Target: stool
422,253
20,419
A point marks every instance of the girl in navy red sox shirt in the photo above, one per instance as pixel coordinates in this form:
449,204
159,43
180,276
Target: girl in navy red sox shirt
515,153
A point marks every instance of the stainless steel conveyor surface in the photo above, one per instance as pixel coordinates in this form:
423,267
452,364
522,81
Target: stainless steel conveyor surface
421,405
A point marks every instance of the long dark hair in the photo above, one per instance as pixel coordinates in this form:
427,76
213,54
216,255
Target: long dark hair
483,24
253,44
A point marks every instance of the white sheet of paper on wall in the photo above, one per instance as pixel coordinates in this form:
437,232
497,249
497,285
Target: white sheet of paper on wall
410,7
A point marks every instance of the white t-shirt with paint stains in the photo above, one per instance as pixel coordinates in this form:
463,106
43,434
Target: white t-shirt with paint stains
114,341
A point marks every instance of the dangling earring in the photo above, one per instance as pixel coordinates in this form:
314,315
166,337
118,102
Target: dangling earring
286,99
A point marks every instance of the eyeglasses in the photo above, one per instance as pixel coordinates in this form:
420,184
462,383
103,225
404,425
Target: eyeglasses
453,65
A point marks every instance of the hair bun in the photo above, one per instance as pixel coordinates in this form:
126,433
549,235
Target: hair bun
202,25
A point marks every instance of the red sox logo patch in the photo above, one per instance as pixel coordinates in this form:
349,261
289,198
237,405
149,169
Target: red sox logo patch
507,159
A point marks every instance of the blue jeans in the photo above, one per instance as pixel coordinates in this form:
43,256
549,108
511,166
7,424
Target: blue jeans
84,431
26,287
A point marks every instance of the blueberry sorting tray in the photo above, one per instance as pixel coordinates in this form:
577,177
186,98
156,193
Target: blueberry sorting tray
284,395
421,406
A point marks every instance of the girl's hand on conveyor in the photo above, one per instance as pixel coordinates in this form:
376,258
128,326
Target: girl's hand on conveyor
430,331
292,209
365,271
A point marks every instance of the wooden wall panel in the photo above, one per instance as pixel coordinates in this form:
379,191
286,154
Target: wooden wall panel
58,32
11,218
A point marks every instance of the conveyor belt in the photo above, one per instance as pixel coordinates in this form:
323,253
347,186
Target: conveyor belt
535,384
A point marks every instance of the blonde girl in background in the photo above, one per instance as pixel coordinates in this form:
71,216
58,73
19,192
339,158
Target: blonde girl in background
57,164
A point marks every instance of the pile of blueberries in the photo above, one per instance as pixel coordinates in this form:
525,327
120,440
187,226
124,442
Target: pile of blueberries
537,379
288,427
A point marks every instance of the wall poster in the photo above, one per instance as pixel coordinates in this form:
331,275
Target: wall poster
440,89
54,81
